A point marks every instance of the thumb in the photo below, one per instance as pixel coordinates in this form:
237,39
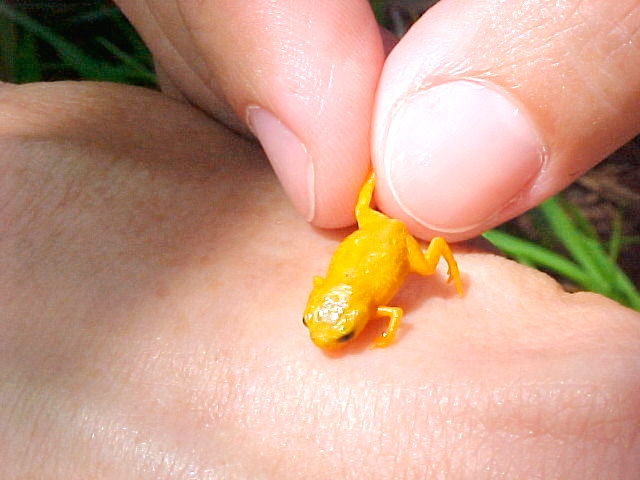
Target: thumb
486,108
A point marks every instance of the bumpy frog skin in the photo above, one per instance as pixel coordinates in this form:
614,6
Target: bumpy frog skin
366,271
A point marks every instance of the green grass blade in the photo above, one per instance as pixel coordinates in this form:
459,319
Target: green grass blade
584,250
8,49
615,240
629,293
579,220
19,61
28,69
130,69
378,10
73,56
134,68
138,47
612,281
621,289
536,255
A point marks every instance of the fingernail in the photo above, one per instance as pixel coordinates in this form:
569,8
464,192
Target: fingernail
458,153
288,156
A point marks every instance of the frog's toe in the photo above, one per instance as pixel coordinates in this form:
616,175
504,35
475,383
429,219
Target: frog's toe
457,283
383,340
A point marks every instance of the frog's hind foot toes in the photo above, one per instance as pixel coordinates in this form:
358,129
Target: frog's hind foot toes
383,340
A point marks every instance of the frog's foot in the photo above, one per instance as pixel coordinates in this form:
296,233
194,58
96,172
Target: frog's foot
454,276
386,338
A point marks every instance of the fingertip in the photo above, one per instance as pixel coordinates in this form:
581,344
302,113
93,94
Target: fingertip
289,157
323,189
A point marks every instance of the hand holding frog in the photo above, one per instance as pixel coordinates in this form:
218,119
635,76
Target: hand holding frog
485,107
150,317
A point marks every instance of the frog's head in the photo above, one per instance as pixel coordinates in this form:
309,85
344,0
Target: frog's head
333,317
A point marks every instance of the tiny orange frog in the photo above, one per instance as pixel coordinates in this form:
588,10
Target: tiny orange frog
366,271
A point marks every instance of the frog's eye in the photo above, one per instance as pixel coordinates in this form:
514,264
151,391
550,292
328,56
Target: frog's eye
304,322
346,337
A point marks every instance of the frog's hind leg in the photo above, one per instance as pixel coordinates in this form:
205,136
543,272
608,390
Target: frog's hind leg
424,263
364,213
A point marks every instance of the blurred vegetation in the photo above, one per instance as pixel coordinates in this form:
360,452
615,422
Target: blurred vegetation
52,40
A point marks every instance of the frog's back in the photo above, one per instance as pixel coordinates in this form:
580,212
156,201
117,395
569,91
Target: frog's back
372,259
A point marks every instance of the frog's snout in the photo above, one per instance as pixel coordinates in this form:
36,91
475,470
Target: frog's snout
330,339
328,343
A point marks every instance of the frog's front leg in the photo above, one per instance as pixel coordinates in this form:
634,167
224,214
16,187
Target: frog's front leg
424,263
394,314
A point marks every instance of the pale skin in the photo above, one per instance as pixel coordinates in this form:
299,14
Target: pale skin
150,296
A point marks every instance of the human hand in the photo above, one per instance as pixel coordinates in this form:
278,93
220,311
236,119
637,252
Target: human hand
482,111
152,282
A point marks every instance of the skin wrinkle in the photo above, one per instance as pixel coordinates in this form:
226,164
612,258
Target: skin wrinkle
557,25
627,33
390,414
575,23
156,23
622,32
539,54
297,58
21,410
132,441
202,92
